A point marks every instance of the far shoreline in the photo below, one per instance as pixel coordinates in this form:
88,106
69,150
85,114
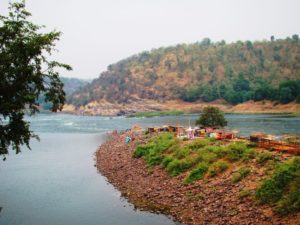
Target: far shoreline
175,107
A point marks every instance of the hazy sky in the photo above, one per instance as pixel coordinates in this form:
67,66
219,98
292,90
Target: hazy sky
97,33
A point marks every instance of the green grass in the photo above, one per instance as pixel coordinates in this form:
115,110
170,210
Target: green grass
282,189
156,113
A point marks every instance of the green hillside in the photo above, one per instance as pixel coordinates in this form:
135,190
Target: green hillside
203,71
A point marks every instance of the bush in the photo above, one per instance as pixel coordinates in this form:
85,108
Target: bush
199,143
290,203
269,192
207,156
235,151
142,150
219,151
283,188
181,153
241,174
167,160
175,167
217,167
263,157
154,157
197,173
248,154
153,151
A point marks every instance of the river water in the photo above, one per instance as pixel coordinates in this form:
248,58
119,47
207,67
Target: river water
56,182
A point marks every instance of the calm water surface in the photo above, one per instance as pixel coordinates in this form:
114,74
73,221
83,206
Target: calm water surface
57,184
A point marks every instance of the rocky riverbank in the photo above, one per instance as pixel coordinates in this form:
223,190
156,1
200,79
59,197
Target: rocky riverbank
213,201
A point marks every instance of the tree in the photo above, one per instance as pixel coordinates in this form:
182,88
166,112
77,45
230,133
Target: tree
295,38
212,117
26,73
272,38
205,42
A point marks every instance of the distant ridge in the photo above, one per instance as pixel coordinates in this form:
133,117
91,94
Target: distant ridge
203,71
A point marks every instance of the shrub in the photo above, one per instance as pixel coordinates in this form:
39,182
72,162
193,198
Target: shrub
199,143
263,157
153,151
217,167
248,154
269,192
219,151
207,156
154,157
197,173
142,150
241,174
181,153
175,167
167,160
290,203
235,151
283,188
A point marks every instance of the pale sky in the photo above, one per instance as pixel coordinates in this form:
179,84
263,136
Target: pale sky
97,33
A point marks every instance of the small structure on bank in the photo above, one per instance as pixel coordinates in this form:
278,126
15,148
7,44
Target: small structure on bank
283,143
191,133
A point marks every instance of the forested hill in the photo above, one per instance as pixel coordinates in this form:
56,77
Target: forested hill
203,71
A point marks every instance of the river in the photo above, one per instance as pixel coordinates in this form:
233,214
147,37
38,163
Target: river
56,183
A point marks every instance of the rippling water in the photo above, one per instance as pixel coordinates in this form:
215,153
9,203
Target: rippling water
57,184
273,124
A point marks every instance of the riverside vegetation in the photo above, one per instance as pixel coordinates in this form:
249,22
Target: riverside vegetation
205,159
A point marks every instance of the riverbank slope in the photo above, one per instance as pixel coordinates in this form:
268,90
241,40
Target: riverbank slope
212,201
